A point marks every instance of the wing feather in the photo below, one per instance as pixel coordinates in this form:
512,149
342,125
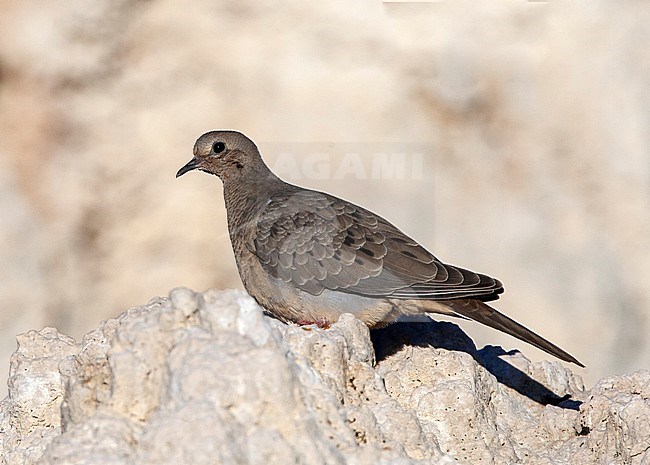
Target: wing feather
316,241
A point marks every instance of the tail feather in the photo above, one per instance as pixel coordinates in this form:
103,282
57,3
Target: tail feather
483,313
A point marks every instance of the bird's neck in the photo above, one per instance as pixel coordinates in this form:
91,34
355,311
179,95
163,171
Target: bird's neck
244,198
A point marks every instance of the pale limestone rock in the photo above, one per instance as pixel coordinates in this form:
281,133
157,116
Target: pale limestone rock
31,414
203,378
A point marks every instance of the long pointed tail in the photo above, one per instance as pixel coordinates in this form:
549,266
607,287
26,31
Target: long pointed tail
483,313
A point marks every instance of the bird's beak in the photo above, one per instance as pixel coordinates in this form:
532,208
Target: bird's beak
191,165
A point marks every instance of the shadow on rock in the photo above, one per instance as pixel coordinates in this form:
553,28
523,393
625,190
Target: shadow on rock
444,335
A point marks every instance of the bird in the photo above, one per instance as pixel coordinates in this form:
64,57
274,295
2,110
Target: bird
308,257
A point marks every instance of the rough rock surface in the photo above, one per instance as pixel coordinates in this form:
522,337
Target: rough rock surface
204,378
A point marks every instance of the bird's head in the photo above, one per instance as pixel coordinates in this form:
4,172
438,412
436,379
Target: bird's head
227,154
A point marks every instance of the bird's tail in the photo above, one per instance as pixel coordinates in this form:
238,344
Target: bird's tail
483,313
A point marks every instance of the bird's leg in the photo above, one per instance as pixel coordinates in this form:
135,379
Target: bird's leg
320,322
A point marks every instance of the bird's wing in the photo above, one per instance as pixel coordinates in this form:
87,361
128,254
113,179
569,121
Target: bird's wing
316,241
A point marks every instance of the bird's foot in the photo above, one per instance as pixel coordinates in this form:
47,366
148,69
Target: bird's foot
321,323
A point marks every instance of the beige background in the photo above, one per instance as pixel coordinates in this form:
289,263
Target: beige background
522,129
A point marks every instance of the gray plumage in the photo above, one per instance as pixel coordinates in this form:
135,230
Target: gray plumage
307,256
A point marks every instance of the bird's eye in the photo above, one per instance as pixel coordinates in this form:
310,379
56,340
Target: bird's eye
218,147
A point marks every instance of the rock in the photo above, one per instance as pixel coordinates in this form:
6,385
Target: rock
207,378
30,417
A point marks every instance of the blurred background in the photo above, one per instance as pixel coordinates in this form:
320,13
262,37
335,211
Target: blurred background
510,138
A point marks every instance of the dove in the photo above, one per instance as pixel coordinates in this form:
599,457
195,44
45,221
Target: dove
308,257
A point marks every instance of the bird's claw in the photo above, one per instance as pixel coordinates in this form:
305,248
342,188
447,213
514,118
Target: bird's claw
320,323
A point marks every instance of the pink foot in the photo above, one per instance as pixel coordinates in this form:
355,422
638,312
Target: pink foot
321,323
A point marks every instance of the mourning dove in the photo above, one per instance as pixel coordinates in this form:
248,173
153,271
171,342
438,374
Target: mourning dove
308,257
